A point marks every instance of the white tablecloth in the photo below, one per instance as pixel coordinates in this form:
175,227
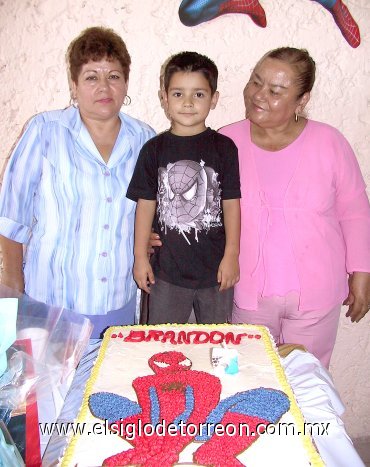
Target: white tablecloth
320,403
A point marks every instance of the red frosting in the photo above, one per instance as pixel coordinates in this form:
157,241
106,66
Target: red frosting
186,337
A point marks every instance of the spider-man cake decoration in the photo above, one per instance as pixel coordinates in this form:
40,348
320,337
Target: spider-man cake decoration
179,397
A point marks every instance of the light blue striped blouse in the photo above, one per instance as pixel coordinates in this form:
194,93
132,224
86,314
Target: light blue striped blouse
69,208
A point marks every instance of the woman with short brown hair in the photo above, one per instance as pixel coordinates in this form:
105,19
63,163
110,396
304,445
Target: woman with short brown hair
64,192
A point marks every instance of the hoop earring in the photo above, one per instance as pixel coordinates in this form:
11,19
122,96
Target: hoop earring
296,117
73,102
127,100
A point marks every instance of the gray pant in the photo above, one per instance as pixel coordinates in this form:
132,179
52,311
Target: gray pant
170,303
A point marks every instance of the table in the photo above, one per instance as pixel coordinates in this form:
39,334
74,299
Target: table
40,368
310,381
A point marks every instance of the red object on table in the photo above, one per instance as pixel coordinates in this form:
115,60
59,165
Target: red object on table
32,435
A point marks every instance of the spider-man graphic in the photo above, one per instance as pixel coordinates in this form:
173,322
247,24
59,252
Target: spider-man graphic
179,395
193,12
188,197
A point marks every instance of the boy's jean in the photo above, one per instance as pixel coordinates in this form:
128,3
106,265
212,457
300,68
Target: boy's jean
169,303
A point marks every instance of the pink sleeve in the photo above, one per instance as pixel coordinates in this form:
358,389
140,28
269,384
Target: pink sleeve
353,209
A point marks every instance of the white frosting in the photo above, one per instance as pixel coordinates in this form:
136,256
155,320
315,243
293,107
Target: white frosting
120,362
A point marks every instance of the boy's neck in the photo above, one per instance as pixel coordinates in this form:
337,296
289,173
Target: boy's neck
187,131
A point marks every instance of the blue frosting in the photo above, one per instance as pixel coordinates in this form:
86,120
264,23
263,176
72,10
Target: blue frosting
267,404
189,406
154,406
112,407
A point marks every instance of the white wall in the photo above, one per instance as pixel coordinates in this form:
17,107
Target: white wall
34,35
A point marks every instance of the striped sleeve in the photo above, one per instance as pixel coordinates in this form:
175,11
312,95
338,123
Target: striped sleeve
21,178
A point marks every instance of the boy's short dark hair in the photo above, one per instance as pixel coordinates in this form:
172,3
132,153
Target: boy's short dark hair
190,62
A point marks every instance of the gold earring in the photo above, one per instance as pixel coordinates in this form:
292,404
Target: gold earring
73,102
296,117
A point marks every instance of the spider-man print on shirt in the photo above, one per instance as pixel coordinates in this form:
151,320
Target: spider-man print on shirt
188,197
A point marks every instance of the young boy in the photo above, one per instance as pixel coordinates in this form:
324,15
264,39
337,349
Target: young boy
187,180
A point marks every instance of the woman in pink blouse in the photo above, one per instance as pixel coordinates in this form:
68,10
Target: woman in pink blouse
305,240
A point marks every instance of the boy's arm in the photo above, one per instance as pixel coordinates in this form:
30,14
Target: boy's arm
228,271
143,272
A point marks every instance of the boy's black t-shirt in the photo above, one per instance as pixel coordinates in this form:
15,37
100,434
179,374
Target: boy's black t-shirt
188,176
